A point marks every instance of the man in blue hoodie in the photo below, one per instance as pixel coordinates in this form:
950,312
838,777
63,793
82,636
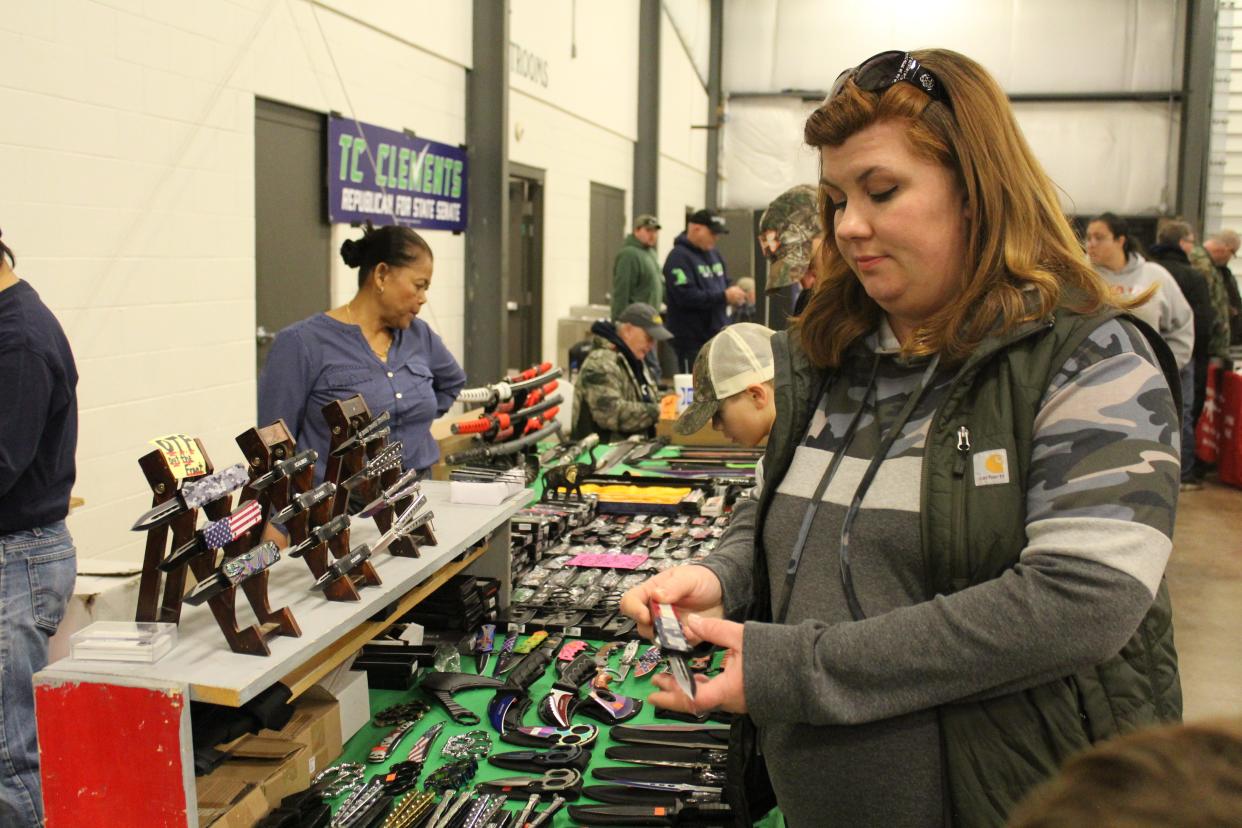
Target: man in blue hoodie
697,291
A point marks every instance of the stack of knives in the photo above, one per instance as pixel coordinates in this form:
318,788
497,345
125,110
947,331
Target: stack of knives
675,776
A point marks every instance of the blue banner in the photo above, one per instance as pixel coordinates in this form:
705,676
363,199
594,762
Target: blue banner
390,177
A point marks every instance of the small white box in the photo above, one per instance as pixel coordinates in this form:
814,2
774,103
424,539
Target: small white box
349,688
482,494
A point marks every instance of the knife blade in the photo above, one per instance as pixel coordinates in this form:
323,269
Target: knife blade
714,777
628,656
484,642
713,812
506,654
365,435
672,757
320,534
285,468
301,502
342,566
666,623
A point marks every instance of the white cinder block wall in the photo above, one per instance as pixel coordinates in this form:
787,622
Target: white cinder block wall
683,148
573,112
128,194
128,183
581,127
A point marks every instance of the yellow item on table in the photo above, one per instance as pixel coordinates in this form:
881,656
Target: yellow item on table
620,493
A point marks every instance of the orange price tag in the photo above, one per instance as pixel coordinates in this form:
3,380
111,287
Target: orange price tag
183,455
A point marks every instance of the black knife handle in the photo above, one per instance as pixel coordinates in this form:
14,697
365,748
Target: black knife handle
537,761
577,673
527,671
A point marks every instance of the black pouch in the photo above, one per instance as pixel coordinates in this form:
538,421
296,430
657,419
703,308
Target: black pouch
747,787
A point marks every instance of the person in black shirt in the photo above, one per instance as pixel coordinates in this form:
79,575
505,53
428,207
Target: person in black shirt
38,437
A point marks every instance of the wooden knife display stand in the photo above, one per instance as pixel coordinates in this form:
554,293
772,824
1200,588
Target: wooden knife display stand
345,419
152,606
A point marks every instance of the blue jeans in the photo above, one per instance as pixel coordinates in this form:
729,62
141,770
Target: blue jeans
37,571
1187,377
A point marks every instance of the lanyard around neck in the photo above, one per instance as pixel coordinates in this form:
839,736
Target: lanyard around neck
808,517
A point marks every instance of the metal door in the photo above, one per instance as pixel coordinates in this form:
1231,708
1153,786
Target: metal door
292,235
524,302
608,233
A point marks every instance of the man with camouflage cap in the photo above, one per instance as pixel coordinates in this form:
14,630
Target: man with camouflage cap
790,234
733,386
615,396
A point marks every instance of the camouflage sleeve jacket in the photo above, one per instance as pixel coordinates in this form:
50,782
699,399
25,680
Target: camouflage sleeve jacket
1100,498
612,397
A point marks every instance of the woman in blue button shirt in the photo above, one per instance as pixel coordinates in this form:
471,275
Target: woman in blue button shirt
374,345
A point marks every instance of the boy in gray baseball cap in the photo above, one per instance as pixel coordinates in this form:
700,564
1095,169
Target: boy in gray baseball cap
733,385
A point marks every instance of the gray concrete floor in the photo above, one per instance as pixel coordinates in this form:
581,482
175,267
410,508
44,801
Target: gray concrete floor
1205,581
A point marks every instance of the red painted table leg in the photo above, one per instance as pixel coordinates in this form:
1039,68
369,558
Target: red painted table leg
115,755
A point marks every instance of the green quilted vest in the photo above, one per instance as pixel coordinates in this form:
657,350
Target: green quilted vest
996,750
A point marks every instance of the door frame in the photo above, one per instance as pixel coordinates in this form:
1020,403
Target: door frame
534,337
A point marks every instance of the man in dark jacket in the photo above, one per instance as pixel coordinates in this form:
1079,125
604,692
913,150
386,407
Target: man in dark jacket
38,438
1169,252
697,290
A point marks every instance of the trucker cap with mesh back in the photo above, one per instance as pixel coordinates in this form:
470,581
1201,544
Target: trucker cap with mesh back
733,360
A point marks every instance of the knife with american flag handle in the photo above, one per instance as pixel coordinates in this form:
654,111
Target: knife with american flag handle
389,457
342,566
285,468
233,571
193,494
648,661
301,502
405,486
215,534
422,747
366,434
320,534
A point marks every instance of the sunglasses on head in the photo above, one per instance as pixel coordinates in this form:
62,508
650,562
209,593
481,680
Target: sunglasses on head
879,72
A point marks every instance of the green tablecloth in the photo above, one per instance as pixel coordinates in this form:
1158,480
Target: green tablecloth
358,747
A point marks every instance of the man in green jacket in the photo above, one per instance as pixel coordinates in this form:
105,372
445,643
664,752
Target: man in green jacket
636,272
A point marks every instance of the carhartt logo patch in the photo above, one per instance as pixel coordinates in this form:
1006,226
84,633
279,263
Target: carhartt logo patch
991,467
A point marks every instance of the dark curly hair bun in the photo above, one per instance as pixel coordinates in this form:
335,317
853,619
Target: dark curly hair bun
393,245
351,252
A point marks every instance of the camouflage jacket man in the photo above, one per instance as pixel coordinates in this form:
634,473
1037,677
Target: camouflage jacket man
994,744
1218,341
613,397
